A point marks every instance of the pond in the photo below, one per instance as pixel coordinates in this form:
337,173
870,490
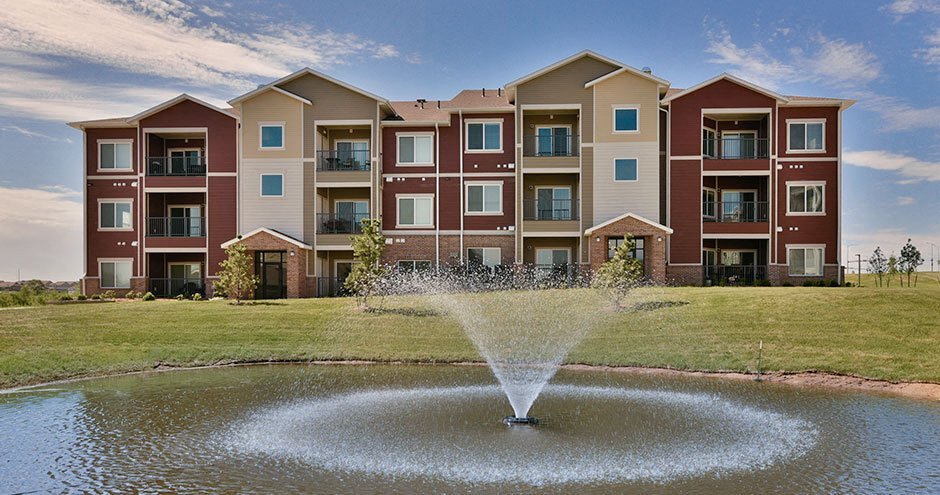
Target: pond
436,429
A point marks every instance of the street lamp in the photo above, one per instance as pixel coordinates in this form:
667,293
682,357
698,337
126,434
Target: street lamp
932,247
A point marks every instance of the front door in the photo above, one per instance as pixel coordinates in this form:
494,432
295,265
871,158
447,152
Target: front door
270,267
185,221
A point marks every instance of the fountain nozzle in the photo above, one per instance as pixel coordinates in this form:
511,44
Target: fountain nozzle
526,421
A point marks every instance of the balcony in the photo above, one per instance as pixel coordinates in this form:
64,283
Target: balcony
343,166
736,148
332,287
176,166
172,287
548,216
176,227
734,211
734,274
550,151
334,229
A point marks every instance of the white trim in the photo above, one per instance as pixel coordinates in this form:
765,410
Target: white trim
483,122
808,159
804,184
175,250
552,127
397,232
613,115
540,170
174,189
726,111
326,184
735,236
261,193
261,126
563,62
115,201
279,235
112,177
399,135
631,70
804,122
692,158
425,175
172,102
174,130
334,247
550,106
734,79
483,184
295,75
714,191
221,174
347,122
822,268
128,141
130,261
401,196
573,234
559,248
625,216
637,160
736,173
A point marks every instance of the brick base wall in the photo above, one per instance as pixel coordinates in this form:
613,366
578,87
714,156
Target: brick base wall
654,245
778,274
684,275
423,247
92,286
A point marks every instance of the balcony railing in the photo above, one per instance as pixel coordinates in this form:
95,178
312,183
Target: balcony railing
331,287
729,148
172,287
554,145
343,161
340,223
550,209
734,274
176,227
734,211
161,166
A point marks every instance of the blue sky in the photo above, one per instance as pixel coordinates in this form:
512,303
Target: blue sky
92,59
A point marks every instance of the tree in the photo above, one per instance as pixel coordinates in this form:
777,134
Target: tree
909,261
621,273
368,273
237,279
32,287
893,268
878,265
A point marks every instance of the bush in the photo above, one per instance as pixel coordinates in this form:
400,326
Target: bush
197,297
849,284
808,283
81,297
131,294
821,283
786,284
108,294
96,297
833,283
180,297
149,297
762,283
65,297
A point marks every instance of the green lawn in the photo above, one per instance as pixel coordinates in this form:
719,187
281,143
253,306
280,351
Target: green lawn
891,333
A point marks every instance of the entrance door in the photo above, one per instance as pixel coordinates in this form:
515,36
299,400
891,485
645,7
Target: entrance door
185,278
270,268
184,162
185,221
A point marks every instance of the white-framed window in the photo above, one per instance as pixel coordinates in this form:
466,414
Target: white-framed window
806,198
626,119
625,170
552,256
805,261
484,136
709,257
484,198
414,266
272,185
115,154
115,214
553,140
806,136
271,135
483,256
554,203
115,273
709,202
415,210
709,142
415,149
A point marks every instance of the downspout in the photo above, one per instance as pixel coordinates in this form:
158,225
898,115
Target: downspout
460,208
437,196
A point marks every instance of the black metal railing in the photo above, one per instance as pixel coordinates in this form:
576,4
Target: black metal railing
734,211
734,274
340,223
554,145
331,287
343,160
172,287
176,165
735,148
176,227
550,209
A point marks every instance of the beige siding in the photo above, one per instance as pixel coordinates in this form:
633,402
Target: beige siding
309,214
532,244
271,106
627,90
284,214
611,198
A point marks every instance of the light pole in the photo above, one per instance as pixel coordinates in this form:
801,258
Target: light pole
932,247
859,269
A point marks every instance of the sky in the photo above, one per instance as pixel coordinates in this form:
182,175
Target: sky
88,59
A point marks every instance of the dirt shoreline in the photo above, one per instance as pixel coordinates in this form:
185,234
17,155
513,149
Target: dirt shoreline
915,390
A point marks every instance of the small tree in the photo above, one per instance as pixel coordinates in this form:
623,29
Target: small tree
236,279
909,261
368,273
893,269
620,274
878,265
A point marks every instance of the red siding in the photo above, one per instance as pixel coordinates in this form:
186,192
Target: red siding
106,244
831,114
390,151
492,162
91,149
812,229
221,220
685,211
221,152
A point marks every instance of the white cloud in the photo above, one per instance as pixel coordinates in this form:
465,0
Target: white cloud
890,241
931,53
907,7
905,200
909,168
41,233
33,134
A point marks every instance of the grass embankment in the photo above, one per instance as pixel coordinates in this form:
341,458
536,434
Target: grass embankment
891,333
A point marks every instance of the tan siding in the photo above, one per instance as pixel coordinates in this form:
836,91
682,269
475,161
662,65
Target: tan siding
271,106
626,90
285,214
611,198
588,172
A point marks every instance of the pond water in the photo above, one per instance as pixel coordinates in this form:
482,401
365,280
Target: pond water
437,429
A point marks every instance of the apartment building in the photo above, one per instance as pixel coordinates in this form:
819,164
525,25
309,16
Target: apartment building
724,181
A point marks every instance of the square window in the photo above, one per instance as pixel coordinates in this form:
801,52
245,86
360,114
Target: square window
484,136
415,150
626,119
115,274
114,215
484,198
272,136
806,198
625,169
806,136
272,185
805,262
114,156
415,211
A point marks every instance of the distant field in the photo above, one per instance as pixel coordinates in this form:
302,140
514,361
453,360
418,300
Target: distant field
891,333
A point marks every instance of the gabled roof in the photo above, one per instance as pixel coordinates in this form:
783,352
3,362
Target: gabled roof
103,123
727,77
625,216
303,72
563,62
631,70
279,235
174,101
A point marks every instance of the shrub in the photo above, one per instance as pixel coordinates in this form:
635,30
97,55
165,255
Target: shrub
762,283
132,294
81,297
786,284
197,297
149,297
96,297
821,283
833,283
65,297
108,294
849,284
180,297
808,283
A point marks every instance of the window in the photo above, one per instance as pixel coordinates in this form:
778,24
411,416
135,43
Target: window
414,266
626,119
738,258
554,203
708,142
485,199
415,211
553,141
708,202
709,257
551,257
115,215
806,136
350,155
625,169
805,261
272,136
272,185
806,199
739,144
638,251
115,274
488,257
114,155
415,149
484,136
